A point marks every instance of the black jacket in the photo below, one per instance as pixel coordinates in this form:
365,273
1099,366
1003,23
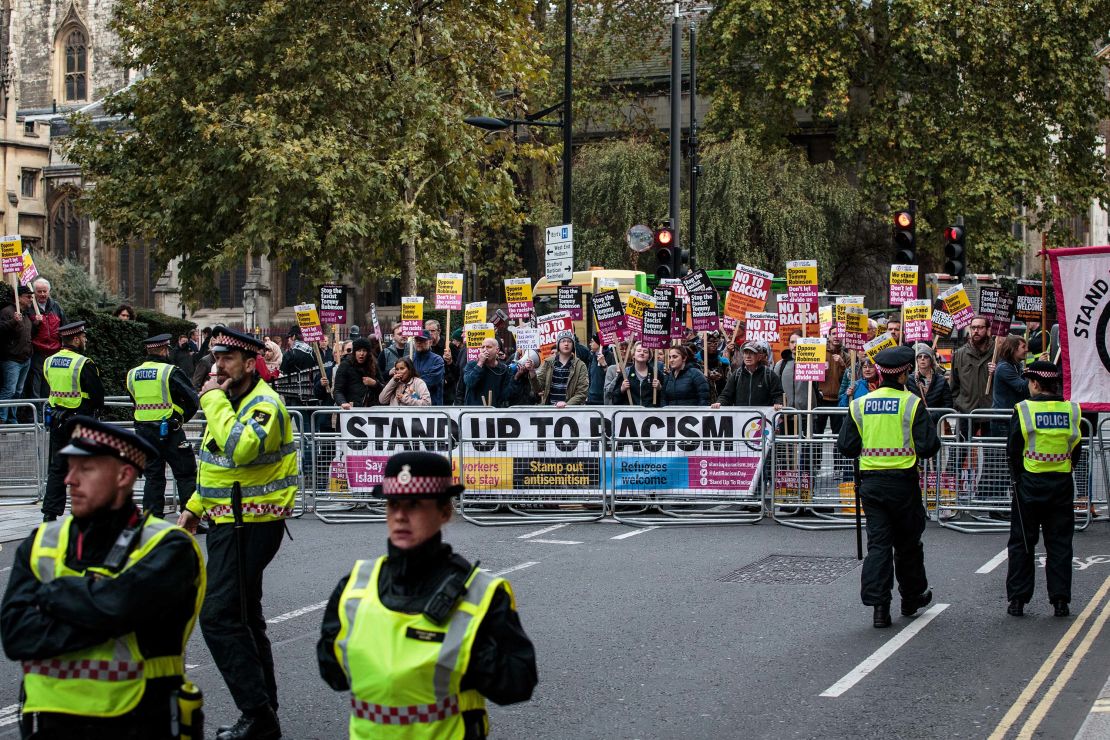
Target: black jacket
639,388
349,387
688,388
937,396
503,664
925,441
154,598
761,388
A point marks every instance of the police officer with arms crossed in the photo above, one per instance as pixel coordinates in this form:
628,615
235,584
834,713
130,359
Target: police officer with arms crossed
891,431
1043,447
75,388
101,603
164,401
248,440
420,637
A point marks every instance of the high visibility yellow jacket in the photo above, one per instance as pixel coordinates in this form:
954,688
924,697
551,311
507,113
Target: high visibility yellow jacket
1051,432
405,671
149,385
62,371
109,679
252,445
884,419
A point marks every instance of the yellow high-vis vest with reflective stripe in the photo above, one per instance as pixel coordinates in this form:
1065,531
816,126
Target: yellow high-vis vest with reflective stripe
109,679
884,418
62,371
149,386
1051,432
259,453
404,670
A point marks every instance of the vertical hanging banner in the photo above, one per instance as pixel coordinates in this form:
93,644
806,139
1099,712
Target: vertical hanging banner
943,325
748,292
30,272
703,310
333,304
610,316
801,280
1082,288
657,328
474,313
988,299
1029,301
878,344
843,302
550,326
374,323
570,300
959,307
11,254
1003,314
810,359
918,315
412,315
903,284
634,312
309,322
761,326
855,327
518,294
449,287
476,334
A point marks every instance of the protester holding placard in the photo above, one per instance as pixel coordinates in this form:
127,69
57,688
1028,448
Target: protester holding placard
393,349
969,369
429,366
640,381
601,359
928,383
717,363
753,383
796,391
15,350
828,390
356,379
520,391
563,379
867,381
1009,387
487,378
683,383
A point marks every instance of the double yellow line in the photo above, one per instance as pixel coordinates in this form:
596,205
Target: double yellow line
1091,620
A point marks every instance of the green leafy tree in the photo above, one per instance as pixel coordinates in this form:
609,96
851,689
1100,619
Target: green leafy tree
327,132
989,110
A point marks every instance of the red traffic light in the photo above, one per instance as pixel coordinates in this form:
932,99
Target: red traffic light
663,237
903,219
953,234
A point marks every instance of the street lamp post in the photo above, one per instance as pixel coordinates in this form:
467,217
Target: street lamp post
566,124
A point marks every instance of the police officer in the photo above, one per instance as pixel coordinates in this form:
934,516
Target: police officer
100,604
75,388
248,440
891,431
420,637
1043,447
164,401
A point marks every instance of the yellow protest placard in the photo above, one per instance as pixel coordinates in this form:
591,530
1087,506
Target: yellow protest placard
518,294
412,315
475,334
475,313
449,291
918,310
11,253
903,284
855,320
308,319
801,280
878,344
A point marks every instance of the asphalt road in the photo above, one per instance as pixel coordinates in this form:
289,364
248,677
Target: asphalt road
638,638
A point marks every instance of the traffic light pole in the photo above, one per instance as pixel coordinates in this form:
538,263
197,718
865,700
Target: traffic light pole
692,144
676,121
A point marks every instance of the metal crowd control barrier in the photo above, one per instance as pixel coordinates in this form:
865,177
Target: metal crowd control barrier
974,481
812,485
520,468
23,448
350,448
688,465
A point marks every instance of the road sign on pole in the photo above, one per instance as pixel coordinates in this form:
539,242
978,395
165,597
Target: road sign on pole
559,248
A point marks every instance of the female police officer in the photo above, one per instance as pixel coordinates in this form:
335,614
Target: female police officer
420,637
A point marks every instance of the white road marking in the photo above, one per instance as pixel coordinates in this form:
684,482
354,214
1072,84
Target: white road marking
993,563
538,532
9,715
633,533
515,568
296,613
5,570
12,709
876,658
557,542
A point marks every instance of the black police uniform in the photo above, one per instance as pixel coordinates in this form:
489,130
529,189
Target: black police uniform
54,499
156,600
173,448
892,504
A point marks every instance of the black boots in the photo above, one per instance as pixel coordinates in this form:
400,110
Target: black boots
911,605
882,616
260,724
1060,608
1016,608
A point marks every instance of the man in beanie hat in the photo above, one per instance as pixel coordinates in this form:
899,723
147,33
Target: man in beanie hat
164,402
88,585
1043,448
890,432
75,389
563,379
247,484
396,631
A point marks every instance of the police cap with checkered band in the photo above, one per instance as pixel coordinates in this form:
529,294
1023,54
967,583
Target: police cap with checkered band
91,438
417,475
